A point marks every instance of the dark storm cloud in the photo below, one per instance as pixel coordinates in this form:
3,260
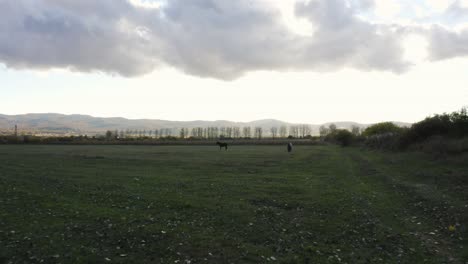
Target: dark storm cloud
221,39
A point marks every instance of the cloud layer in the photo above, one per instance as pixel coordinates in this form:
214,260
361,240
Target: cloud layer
221,39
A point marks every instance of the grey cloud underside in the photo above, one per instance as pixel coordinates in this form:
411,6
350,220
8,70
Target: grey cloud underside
81,35
222,39
444,44
447,44
341,39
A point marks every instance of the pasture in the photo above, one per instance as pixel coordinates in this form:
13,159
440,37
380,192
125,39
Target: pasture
250,204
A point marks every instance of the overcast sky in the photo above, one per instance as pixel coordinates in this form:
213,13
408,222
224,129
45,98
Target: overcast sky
299,61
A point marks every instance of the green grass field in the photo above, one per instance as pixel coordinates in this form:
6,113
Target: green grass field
251,204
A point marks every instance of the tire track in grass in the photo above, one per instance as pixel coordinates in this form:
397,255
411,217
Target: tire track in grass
420,229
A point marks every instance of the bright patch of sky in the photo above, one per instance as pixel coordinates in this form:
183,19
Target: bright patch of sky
416,48
415,11
301,97
146,3
296,24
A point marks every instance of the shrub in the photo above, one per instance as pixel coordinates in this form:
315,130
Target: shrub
436,134
382,128
344,137
341,136
387,141
442,146
454,125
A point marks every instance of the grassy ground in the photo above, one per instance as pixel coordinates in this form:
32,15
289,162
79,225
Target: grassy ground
251,204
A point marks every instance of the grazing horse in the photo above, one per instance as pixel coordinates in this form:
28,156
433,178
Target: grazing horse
221,145
289,147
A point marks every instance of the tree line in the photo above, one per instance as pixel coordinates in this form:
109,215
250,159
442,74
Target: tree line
226,132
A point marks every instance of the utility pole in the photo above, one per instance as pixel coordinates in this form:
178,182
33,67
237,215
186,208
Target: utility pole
16,130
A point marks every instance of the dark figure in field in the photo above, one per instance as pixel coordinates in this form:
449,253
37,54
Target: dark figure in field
289,147
221,145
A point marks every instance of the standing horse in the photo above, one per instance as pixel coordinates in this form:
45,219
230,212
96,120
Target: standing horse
289,147
222,145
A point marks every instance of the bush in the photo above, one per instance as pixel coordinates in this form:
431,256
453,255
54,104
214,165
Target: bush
344,137
385,136
442,146
454,125
382,128
436,134
29,139
341,136
388,141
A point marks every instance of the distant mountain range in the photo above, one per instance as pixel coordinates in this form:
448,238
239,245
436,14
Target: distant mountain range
51,123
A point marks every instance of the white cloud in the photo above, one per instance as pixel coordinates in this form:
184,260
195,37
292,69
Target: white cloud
221,39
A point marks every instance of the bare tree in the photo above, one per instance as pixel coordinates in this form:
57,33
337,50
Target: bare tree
167,132
332,128
197,132
222,131
305,130
283,132
209,132
183,132
258,132
246,132
294,131
274,132
213,132
236,132
229,132
200,132
323,130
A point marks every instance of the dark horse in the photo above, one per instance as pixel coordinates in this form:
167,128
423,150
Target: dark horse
221,145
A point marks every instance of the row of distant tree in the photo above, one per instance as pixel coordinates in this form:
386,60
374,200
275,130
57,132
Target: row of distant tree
297,131
203,133
196,133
